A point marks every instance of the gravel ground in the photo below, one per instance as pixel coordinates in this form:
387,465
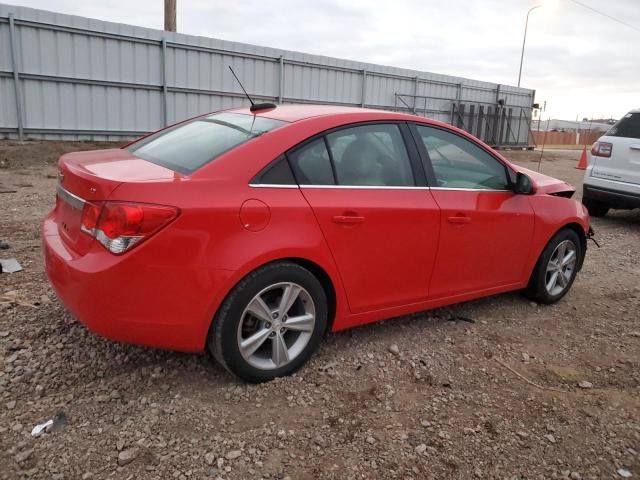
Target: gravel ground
526,392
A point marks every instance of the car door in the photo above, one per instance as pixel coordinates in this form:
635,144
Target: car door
369,195
486,229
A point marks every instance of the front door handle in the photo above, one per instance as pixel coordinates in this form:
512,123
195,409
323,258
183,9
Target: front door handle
348,219
459,220
635,146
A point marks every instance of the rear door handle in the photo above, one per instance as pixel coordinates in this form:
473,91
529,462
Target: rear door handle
348,219
635,146
459,220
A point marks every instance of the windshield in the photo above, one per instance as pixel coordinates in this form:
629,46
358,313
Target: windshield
188,146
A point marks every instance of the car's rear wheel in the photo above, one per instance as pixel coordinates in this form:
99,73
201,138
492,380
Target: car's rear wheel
270,323
556,269
596,207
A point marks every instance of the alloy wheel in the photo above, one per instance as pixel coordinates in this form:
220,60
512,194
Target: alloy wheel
276,325
561,267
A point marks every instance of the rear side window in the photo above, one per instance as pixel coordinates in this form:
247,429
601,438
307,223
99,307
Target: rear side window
277,173
628,126
188,146
371,155
311,164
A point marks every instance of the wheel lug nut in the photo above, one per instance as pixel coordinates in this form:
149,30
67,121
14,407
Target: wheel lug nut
275,315
268,325
284,319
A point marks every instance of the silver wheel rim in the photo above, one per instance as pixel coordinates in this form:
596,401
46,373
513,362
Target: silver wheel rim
561,267
276,326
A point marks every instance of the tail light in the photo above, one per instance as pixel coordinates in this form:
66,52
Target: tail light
119,226
601,149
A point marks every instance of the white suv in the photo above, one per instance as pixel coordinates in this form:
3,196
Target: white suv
612,179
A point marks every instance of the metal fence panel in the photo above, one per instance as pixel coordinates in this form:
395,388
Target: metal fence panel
8,118
5,51
88,79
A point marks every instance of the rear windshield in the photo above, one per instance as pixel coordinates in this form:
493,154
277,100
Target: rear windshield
188,146
628,126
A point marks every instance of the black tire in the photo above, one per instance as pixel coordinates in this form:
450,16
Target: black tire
596,207
222,342
537,289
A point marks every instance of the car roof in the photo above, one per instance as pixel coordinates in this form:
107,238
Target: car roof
294,113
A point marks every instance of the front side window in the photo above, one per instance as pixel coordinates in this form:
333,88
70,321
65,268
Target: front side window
370,155
188,146
458,163
628,127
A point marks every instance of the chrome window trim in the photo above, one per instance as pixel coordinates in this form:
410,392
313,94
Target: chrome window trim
470,189
365,187
73,200
374,187
271,185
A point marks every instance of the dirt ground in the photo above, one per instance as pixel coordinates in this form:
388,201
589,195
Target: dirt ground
447,404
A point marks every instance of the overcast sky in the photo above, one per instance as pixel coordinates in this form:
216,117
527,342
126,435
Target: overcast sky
581,63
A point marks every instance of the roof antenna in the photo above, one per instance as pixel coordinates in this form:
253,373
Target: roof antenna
254,106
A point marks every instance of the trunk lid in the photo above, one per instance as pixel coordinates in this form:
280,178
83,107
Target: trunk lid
93,176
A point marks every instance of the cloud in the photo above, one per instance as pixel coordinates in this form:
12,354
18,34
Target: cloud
581,63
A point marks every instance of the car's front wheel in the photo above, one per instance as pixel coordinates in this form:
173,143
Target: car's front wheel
557,267
271,322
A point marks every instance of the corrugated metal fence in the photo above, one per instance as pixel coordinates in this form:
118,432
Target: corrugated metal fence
580,137
69,77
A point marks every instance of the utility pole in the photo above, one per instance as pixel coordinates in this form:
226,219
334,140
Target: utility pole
524,40
170,15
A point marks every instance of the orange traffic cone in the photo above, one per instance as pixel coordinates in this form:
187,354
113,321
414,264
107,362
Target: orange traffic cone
582,164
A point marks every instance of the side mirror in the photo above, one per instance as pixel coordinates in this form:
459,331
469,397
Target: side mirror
523,185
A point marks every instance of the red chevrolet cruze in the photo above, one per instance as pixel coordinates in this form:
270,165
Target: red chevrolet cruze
252,233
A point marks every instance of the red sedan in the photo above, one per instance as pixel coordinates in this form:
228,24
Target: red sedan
251,234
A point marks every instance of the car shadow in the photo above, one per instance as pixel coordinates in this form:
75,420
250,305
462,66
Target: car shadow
460,315
80,358
619,217
91,359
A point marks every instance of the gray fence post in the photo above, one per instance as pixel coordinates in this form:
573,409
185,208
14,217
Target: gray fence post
528,118
496,123
363,94
455,104
165,99
16,75
416,80
281,84
519,124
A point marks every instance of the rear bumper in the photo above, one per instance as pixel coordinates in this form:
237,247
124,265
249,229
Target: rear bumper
140,297
613,197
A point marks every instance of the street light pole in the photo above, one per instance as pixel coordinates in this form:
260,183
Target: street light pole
524,40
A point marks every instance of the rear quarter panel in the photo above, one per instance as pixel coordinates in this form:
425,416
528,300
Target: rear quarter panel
209,235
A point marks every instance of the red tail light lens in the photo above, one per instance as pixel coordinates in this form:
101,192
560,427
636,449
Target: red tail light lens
120,219
601,149
118,226
90,215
